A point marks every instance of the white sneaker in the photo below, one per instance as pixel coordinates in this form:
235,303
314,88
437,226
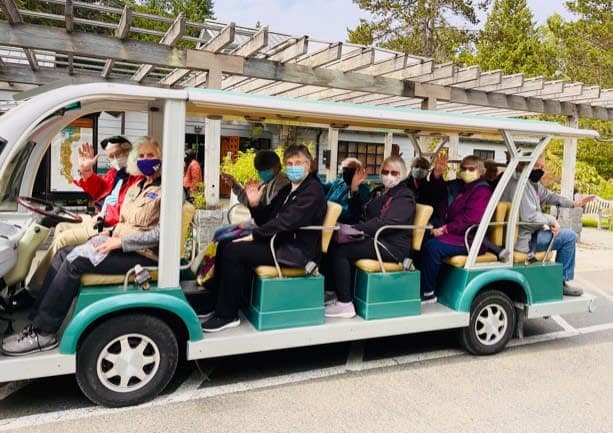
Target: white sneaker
338,309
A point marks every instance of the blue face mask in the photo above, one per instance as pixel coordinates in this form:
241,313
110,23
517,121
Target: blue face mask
266,175
148,167
295,173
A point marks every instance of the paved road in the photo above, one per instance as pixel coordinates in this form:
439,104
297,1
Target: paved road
558,379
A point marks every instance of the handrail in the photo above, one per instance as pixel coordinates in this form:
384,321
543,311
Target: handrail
393,227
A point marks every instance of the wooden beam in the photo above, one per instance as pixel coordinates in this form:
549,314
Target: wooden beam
31,58
125,22
483,80
108,67
221,40
11,12
175,31
70,64
460,75
97,46
258,41
296,48
69,16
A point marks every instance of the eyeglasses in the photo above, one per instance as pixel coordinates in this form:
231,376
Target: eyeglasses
468,168
392,172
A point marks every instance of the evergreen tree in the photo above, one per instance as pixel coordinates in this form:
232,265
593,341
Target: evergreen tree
420,27
510,41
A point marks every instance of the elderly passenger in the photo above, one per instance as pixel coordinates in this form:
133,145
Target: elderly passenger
466,209
299,204
350,186
134,240
392,203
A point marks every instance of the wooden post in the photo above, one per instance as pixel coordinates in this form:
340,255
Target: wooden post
569,160
333,147
454,146
387,144
212,148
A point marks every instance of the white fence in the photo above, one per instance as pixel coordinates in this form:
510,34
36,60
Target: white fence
600,209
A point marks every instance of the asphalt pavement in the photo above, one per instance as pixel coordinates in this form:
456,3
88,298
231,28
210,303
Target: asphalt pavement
557,379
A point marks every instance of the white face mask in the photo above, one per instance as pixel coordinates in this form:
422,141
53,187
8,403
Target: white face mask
389,181
119,162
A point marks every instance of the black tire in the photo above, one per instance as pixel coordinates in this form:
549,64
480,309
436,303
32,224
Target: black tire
492,323
156,364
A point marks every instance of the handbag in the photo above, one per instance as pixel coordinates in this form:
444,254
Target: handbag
230,232
347,234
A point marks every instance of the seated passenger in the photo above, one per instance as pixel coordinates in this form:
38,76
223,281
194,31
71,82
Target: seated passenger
351,185
491,173
466,209
564,240
108,191
298,204
134,240
428,187
392,203
272,179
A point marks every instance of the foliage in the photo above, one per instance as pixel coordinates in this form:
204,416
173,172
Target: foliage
198,197
511,42
419,27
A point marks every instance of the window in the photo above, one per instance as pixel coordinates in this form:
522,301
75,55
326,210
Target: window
484,154
370,154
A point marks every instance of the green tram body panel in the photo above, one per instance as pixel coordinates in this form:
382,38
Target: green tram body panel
540,283
386,295
95,302
277,303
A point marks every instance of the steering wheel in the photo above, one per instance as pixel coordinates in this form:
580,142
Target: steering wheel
49,210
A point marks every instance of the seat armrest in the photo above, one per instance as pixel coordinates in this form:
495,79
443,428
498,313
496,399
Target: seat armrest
393,227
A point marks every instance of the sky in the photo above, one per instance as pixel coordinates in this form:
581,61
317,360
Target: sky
325,20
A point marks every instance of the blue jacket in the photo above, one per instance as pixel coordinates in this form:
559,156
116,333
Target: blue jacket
338,192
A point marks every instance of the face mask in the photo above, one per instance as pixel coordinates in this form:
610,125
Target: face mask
348,173
148,167
389,181
266,175
469,176
418,173
295,174
119,162
536,174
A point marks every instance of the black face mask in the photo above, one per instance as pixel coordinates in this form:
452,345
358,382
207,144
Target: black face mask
535,175
348,173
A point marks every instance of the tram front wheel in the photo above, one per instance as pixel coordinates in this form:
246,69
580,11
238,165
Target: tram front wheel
491,326
127,360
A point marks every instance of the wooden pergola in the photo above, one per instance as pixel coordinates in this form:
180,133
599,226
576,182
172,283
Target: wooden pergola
235,58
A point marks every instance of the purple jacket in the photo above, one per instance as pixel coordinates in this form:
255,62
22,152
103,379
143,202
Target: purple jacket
467,209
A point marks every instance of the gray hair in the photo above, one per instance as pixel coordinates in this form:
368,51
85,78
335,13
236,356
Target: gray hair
398,164
131,167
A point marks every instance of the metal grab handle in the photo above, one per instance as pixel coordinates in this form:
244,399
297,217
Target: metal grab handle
272,244
393,227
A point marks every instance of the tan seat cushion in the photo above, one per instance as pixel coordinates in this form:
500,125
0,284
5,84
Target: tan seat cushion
501,214
370,265
104,279
460,261
519,257
271,272
333,211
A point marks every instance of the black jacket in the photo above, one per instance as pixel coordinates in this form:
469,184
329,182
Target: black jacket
287,212
396,207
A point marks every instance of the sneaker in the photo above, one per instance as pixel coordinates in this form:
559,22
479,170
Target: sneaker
27,341
429,299
571,290
204,311
329,297
346,310
531,258
216,324
503,255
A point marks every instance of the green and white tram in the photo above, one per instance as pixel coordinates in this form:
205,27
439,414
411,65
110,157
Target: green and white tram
485,299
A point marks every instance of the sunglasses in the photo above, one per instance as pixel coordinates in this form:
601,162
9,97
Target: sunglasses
392,172
468,168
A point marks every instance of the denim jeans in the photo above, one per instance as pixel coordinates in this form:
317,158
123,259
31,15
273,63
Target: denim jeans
432,255
564,243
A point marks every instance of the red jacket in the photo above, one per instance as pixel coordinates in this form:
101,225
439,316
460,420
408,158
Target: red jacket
98,187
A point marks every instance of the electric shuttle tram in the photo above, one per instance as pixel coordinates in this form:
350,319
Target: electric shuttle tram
485,299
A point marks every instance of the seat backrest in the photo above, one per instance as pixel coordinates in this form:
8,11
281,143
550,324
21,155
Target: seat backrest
333,211
501,214
187,215
422,216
